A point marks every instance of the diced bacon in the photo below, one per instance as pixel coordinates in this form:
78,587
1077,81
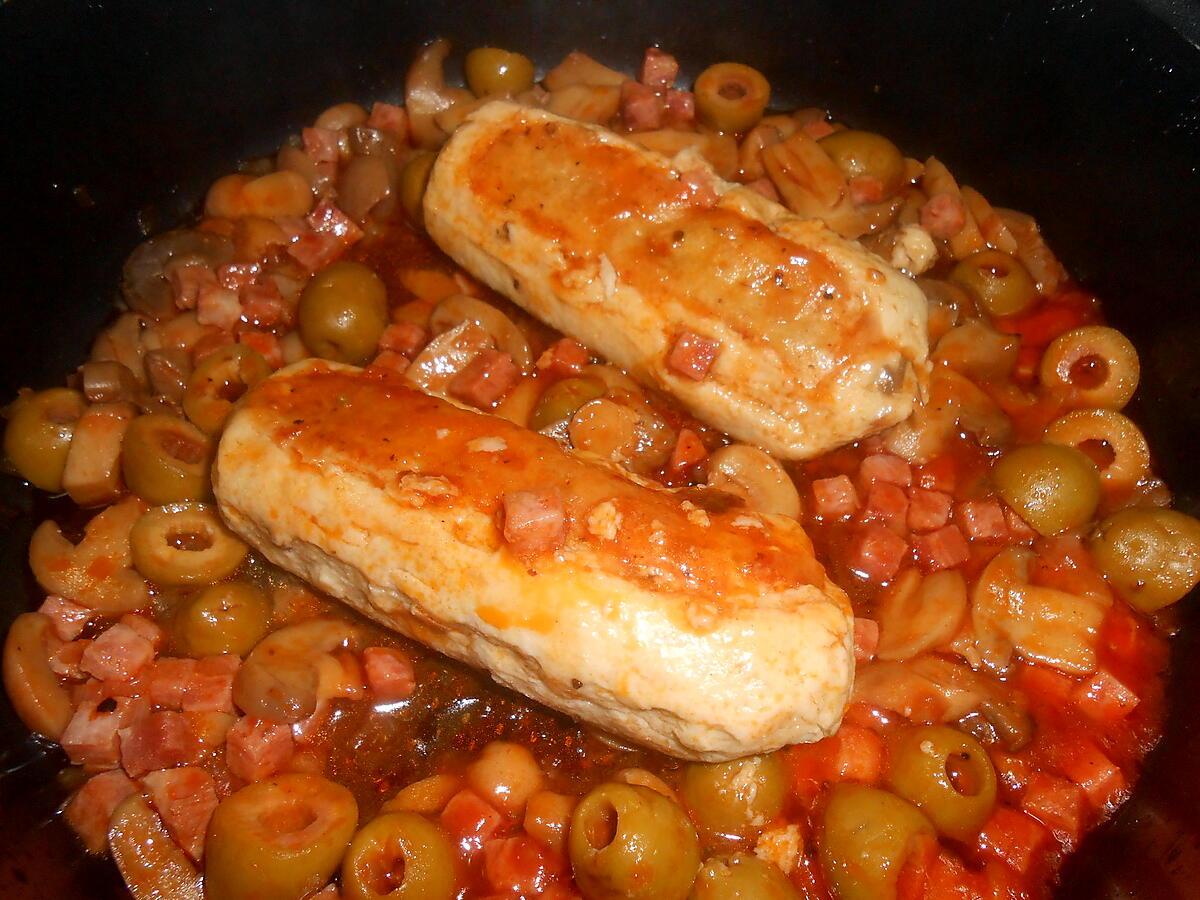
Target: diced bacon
187,281
390,361
877,553
66,660
406,338
265,345
185,799
1012,770
521,866
886,503
659,69
96,690
486,378
884,467
389,117
470,820
147,628
1089,767
66,618
943,216
681,108
942,549
865,189
258,748
166,679
534,521
390,673
321,144
157,740
315,250
90,738
118,653
982,520
834,498
218,306
237,276
211,686
264,307
1014,838
1104,698
1058,804
91,807
641,108
692,355
688,451
564,357
766,187
1018,530
866,639
928,510
328,219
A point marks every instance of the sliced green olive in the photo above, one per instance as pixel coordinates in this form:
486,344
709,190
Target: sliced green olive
1152,556
402,856
38,435
1050,486
413,179
737,797
731,97
230,617
218,382
165,459
560,401
490,70
741,877
947,774
343,311
998,281
184,543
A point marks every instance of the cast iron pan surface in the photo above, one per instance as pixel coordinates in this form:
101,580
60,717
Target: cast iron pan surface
1085,114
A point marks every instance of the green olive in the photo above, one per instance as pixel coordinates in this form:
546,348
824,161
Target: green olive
230,617
219,381
559,401
184,543
413,179
741,877
629,842
731,97
1152,556
39,434
736,797
998,281
864,154
279,839
165,459
490,70
867,836
949,777
342,313
1050,486
402,856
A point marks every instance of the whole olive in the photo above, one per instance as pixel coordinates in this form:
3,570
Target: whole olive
166,459
38,435
342,313
1152,556
1050,486
998,281
402,856
736,797
559,401
229,617
413,179
864,154
741,877
490,70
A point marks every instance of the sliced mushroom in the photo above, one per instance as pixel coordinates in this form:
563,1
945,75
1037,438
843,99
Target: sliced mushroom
606,429
447,355
426,94
750,473
144,280
919,613
507,336
977,351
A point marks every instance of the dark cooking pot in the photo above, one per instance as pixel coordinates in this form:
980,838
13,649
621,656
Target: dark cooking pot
1085,114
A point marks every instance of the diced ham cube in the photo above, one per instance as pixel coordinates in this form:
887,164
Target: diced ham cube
1089,767
681,108
659,69
1104,698
389,361
328,219
865,189
693,356
264,307
316,250
470,820
1058,804
641,108
237,276
688,451
210,728
943,216
389,117
265,345
91,737
928,510
218,306
766,187
157,740
66,618
884,467
853,753
866,639
185,799
886,503
66,660
91,807
166,679
486,378
1014,838
187,281
564,357
321,144
1018,529
834,498
942,549
118,653
877,553
534,521
147,628
258,748
211,686
405,338
520,866
982,520
390,673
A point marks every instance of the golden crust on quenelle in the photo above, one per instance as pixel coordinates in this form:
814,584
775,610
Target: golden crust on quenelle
818,342
706,634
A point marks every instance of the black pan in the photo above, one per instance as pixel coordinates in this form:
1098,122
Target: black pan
1085,114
